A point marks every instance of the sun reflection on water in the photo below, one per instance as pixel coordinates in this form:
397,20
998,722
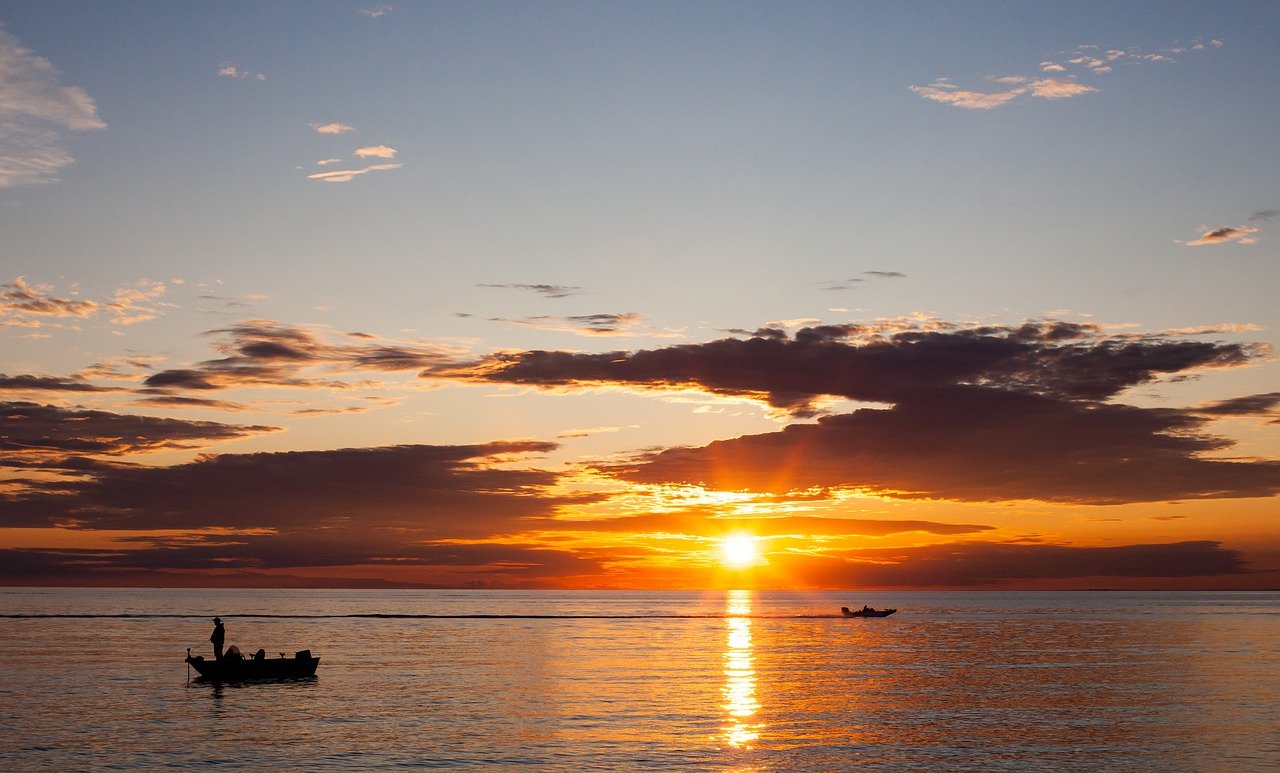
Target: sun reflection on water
739,690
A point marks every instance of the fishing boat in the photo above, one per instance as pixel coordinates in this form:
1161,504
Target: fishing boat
235,667
867,612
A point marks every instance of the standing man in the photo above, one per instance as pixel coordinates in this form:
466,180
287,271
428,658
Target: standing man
218,636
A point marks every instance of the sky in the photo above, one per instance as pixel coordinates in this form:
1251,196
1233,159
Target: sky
654,295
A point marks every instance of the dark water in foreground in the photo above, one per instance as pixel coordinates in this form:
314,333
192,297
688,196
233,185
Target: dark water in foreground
733,681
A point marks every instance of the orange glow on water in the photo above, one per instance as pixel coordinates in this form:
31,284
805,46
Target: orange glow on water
740,703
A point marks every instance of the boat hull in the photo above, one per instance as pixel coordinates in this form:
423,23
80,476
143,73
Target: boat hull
227,670
872,613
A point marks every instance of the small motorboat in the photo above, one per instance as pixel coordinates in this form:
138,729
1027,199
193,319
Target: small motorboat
867,612
235,667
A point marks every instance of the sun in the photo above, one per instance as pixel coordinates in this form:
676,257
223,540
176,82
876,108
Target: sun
739,550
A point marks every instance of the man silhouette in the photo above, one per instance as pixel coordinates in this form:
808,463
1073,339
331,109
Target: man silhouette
218,636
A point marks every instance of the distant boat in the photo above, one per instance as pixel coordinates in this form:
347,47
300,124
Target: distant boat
233,667
867,612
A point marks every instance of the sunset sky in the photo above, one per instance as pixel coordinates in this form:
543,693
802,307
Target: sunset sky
576,294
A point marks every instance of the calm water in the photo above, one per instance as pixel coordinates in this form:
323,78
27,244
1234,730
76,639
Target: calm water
734,681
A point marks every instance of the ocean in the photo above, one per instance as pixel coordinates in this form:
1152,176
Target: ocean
94,679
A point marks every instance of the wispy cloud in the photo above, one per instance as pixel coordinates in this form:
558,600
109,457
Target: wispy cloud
1059,88
377,11
268,353
846,284
347,175
229,70
138,303
332,128
626,324
942,90
1241,234
1086,59
550,291
18,297
24,305
1264,216
328,161
35,111
376,151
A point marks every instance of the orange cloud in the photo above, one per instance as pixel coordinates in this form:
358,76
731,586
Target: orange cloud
376,151
347,175
1241,234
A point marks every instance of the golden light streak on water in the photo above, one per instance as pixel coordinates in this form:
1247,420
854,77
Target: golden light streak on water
739,690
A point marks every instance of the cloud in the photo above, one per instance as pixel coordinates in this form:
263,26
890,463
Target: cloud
411,492
328,161
870,363
708,523
24,303
34,435
1264,216
135,304
229,70
18,297
975,444
269,353
550,291
350,174
586,324
979,413
36,111
992,564
31,383
941,90
376,151
377,11
177,401
1086,58
332,128
254,561
1264,405
580,432
846,284
1241,234
1059,88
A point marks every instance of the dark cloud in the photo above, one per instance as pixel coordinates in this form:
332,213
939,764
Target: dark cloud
988,563
191,402
845,284
586,324
431,491
1053,358
976,444
273,552
30,432
1250,405
550,291
1242,234
32,383
708,522
1264,216
266,353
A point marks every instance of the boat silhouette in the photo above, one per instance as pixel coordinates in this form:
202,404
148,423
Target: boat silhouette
867,612
234,667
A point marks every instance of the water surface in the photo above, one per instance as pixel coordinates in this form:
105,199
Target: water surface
568,681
